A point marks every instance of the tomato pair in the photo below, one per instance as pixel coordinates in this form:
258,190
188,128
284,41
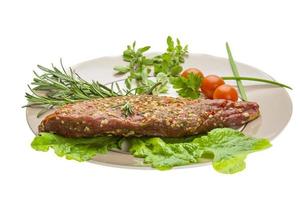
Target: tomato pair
213,86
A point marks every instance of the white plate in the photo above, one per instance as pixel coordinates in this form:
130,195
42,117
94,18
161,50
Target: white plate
275,103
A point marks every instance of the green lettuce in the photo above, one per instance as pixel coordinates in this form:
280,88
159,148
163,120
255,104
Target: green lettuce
162,155
80,149
227,148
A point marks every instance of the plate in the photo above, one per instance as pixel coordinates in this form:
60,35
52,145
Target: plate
275,103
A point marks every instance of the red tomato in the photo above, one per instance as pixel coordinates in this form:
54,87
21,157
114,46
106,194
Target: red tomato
193,70
226,92
209,85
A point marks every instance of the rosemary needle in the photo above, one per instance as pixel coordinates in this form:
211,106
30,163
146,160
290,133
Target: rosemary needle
127,109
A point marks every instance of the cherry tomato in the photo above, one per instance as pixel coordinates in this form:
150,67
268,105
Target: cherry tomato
209,85
226,92
193,70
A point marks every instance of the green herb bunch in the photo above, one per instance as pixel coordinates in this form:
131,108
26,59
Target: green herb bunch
141,67
57,87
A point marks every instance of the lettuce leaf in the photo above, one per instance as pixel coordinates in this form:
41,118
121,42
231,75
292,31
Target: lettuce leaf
162,155
230,148
226,147
80,149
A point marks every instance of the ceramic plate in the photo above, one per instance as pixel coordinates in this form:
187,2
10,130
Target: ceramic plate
275,103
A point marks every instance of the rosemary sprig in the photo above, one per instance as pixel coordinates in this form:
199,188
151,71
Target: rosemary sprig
56,87
236,74
127,109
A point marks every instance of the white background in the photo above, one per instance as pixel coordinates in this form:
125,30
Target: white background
264,34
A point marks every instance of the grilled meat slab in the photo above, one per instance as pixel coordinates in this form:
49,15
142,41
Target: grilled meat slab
148,116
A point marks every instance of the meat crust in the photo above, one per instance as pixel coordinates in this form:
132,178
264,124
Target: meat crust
151,116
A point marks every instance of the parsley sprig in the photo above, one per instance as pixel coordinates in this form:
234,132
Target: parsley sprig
187,87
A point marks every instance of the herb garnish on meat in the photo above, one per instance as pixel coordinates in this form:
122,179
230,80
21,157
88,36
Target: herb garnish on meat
127,109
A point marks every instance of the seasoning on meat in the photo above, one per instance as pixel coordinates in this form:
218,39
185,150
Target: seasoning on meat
150,116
